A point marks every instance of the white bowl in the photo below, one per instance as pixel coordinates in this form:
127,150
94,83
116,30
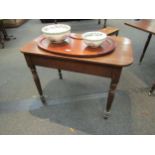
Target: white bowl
94,39
56,32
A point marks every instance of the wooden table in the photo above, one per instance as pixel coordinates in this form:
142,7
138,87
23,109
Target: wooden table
109,66
149,27
146,26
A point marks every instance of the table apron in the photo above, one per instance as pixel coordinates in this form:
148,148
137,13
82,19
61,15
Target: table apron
75,66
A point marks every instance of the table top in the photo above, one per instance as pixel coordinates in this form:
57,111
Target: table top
121,56
146,25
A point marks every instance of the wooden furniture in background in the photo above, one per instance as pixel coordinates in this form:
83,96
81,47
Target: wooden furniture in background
3,33
105,22
59,20
1,39
12,23
149,27
146,26
110,31
109,66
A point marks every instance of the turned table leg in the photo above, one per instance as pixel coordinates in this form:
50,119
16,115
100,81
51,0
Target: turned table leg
152,89
111,94
105,23
37,82
60,74
35,77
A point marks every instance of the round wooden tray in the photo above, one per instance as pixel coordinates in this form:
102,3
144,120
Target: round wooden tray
77,48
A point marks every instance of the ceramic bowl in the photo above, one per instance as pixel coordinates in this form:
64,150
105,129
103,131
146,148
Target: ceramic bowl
94,39
56,32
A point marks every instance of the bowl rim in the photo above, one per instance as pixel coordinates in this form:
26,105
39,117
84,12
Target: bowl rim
55,33
84,38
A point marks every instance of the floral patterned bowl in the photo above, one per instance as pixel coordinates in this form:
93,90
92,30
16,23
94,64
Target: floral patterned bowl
56,33
94,39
